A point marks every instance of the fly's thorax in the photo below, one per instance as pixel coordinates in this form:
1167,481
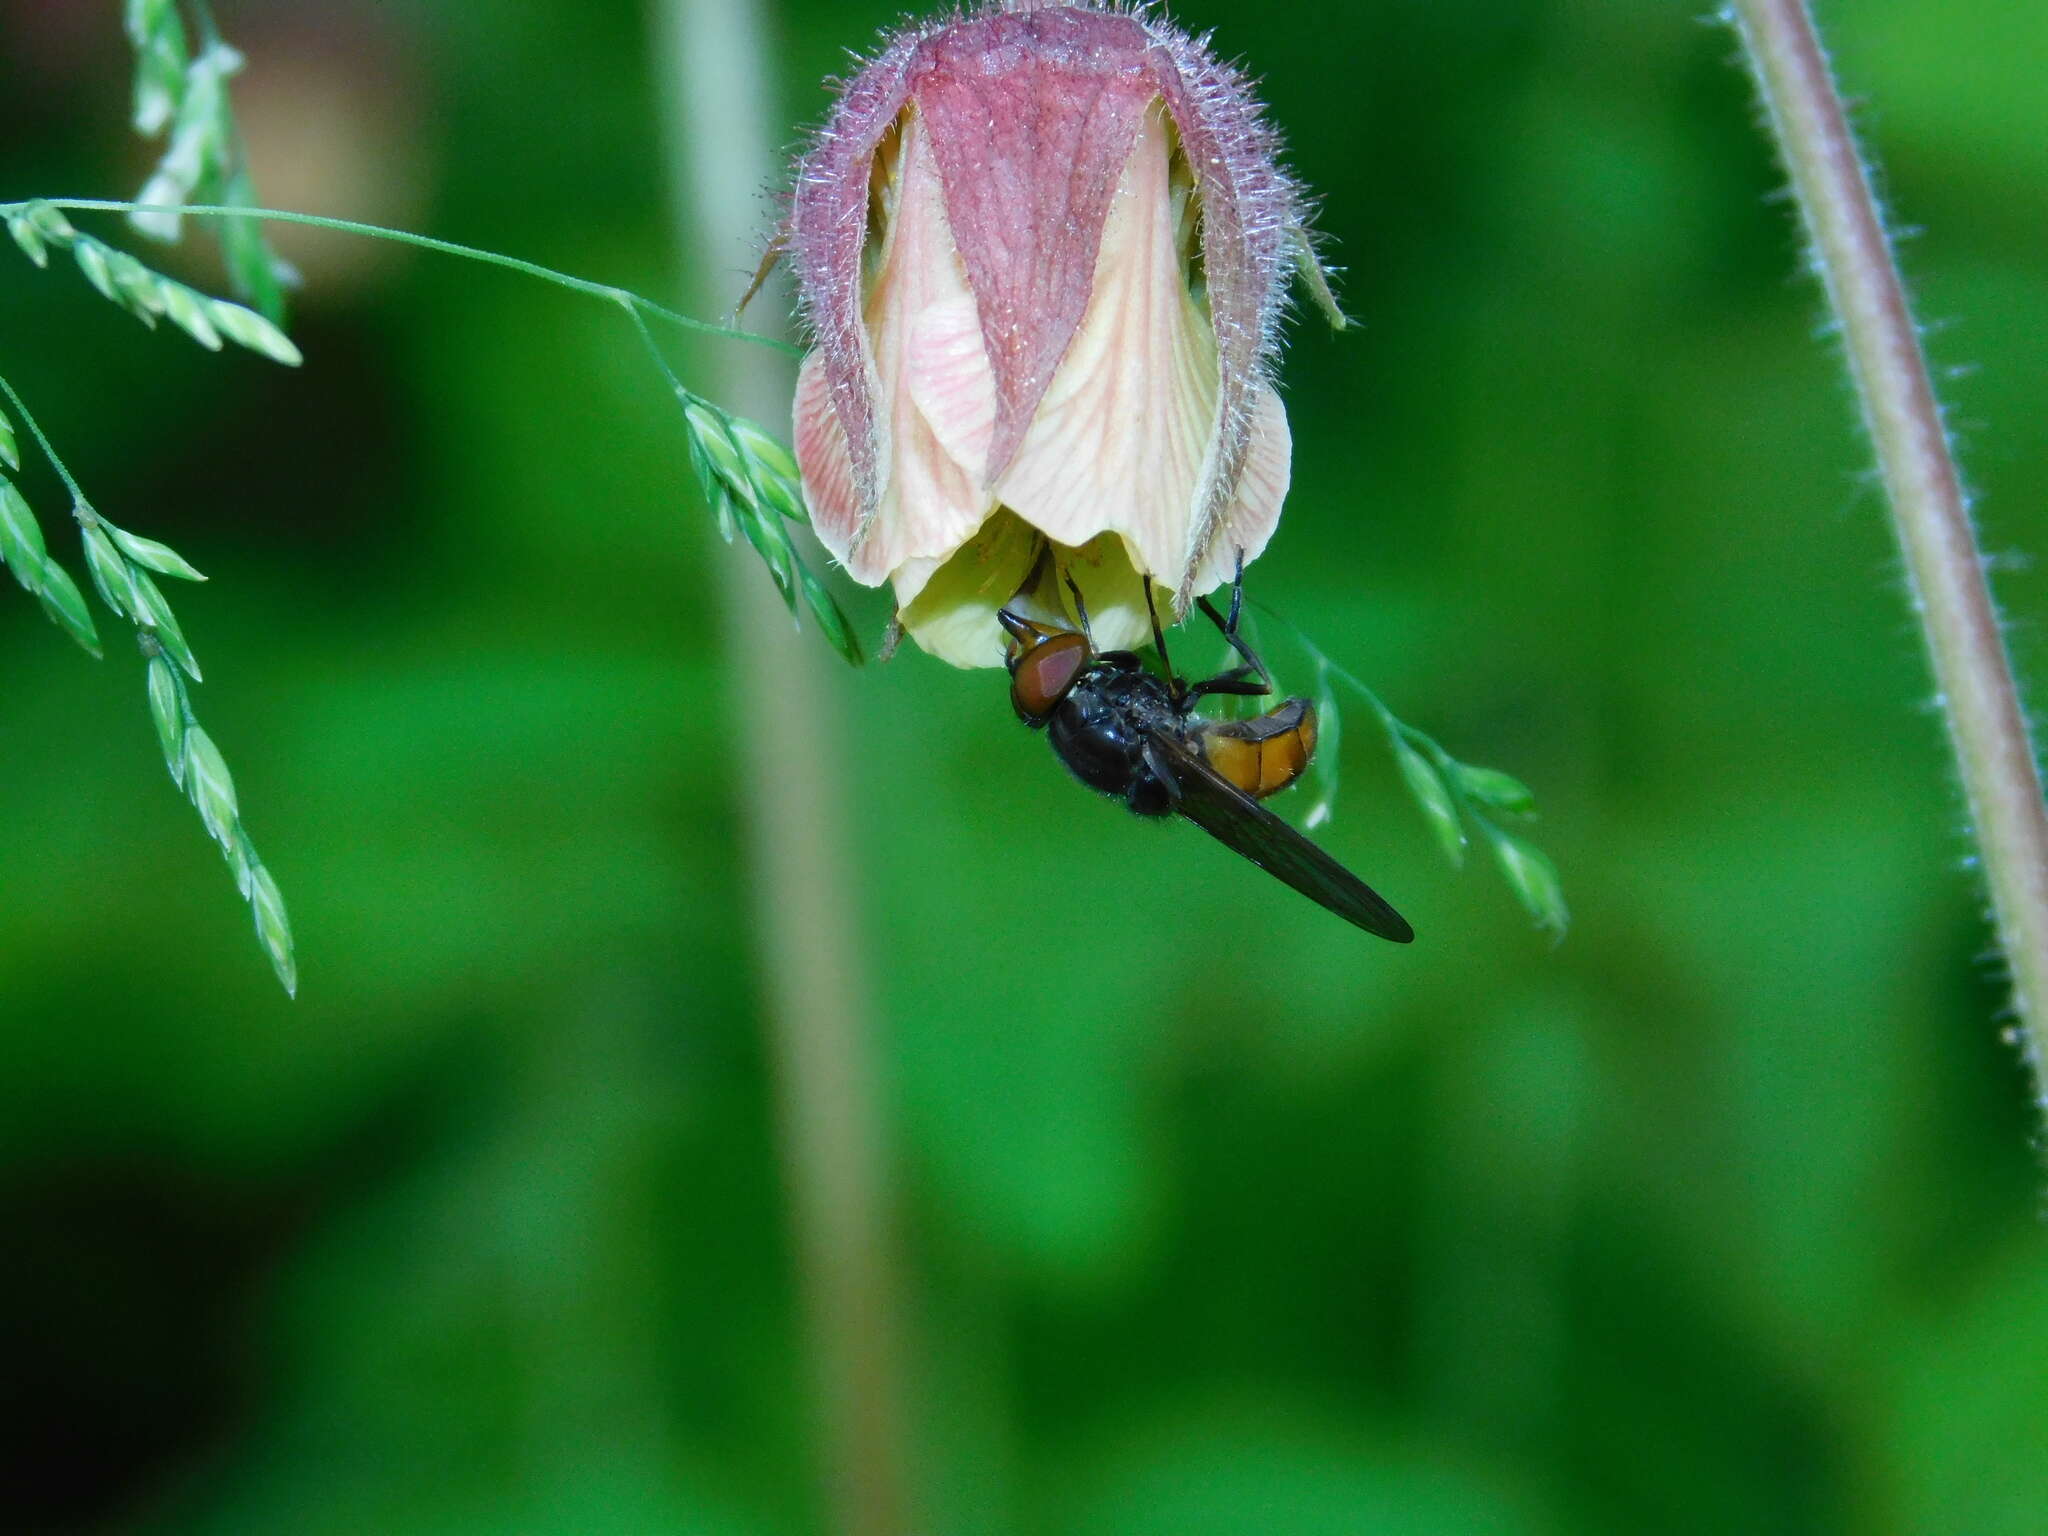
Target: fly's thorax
1123,686
1100,728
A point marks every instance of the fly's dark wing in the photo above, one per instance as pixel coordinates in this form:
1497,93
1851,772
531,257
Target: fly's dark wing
1236,820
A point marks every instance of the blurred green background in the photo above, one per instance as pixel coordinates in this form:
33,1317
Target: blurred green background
1217,1217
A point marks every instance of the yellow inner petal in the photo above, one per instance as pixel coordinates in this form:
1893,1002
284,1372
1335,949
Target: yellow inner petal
951,611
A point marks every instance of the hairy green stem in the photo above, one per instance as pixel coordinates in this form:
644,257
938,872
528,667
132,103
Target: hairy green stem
35,431
720,134
121,572
1987,726
621,296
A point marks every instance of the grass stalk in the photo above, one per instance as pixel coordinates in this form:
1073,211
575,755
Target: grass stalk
624,297
721,130
1930,513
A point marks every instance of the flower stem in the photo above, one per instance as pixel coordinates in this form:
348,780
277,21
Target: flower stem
1951,596
710,58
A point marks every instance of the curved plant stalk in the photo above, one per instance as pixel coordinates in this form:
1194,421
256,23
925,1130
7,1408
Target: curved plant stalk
123,568
1987,726
720,135
624,297
1460,801
747,476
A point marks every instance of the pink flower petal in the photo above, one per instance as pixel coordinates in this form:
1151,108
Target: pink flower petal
1251,215
1120,439
827,467
927,504
828,232
1032,114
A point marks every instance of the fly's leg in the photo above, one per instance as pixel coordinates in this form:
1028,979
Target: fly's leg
1144,798
1237,681
1080,606
1174,685
1251,679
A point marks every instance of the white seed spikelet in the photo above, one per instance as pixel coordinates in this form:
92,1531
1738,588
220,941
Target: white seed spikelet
110,575
273,929
167,710
64,603
188,311
1430,792
1534,879
21,537
149,599
158,557
140,289
29,238
92,261
251,330
211,786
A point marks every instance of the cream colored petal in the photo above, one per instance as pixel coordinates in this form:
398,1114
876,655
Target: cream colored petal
950,610
949,377
929,505
1119,439
1255,510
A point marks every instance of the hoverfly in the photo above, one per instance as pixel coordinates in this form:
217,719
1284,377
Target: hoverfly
1136,736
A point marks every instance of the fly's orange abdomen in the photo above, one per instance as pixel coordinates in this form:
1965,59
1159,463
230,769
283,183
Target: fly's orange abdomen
1265,754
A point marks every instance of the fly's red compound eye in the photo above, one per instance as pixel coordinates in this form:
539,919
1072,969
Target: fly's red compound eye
1043,675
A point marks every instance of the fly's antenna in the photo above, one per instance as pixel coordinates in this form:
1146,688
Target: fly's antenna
1026,636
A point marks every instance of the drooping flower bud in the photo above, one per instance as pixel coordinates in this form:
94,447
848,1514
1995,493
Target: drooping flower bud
1043,251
